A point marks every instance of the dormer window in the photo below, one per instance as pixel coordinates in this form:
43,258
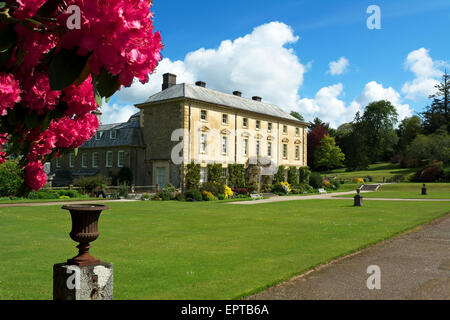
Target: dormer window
113,134
98,135
258,124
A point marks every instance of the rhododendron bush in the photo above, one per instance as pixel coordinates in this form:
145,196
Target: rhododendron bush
53,76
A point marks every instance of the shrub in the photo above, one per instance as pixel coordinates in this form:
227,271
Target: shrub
228,193
302,188
430,173
221,196
326,184
358,180
123,190
252,173
10,178
240,191
315,180
304,174
125,175
336,184
215,173
236,175
292,176
64,197
369,178
156,197
145,196
88,184
193,195
207,196
214,187
193,176
280,175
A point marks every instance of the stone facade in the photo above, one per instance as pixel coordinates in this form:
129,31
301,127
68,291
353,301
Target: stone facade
185,123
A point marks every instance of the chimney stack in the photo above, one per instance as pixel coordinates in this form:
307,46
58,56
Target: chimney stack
98,114
200,84
237,93
169,80
257,98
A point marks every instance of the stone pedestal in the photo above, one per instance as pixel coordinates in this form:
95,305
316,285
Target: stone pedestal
93,282
424,190
358,199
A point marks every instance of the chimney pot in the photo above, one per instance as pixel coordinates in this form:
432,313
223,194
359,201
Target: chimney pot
169,80
201,84
237,93
256,98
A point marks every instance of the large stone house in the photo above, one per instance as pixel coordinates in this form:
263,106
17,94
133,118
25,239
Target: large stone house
185,123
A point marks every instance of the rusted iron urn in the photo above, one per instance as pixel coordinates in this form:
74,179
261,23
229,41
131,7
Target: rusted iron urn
84,230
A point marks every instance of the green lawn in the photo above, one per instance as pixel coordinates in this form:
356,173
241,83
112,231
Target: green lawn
180,250
409,191
377,171
9,201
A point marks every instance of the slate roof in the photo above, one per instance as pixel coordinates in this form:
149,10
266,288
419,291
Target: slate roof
194,92
127,134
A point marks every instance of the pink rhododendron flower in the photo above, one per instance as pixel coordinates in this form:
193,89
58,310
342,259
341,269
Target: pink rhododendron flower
42,144
35,45
9,92
38,95
27,8
35,176
72,133
3,140
80,100
120,35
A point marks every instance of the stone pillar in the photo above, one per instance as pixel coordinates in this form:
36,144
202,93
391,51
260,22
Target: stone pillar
93,282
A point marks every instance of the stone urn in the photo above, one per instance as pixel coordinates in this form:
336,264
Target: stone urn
84,230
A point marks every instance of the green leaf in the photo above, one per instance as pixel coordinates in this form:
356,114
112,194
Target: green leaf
65,68
106,83
75,151
8,37
48,8
2,5
46,121
31,120
98,98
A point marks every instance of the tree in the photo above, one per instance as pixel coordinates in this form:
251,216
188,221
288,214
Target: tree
314,137
328,155
10,178
407,131
317,122
431,147
297,115
53,77
437,114
356,156
379,119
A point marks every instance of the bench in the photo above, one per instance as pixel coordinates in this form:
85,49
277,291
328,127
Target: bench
256,196
322,191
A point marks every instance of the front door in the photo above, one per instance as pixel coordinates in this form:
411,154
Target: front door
161,177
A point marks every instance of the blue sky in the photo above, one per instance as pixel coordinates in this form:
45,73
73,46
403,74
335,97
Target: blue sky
400,62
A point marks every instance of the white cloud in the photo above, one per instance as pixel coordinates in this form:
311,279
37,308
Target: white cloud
426,74
338,67
374,91
258,64
327,106
114,113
